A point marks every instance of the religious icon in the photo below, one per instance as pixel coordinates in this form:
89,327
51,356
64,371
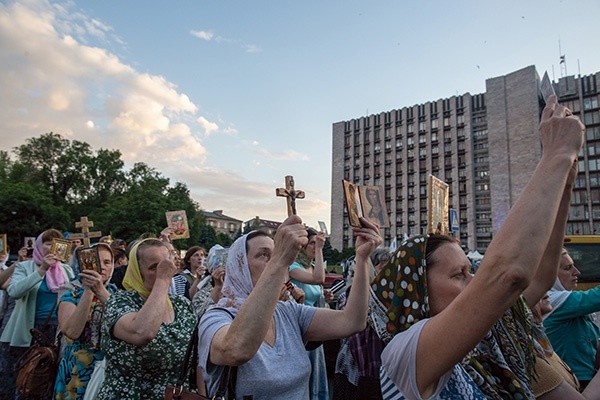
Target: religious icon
437,215
352,195
177,220
323,227
89,259
3,244
291,194
61,249
373,205
29,242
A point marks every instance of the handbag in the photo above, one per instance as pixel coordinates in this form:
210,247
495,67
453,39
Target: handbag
38,366
226,389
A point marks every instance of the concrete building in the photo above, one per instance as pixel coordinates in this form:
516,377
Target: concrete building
222,223
485,146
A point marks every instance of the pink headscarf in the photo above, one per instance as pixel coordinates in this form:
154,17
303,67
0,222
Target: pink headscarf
55,277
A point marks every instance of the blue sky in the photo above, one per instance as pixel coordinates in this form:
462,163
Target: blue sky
231,96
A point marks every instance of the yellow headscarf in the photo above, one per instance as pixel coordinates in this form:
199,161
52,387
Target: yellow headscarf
133,277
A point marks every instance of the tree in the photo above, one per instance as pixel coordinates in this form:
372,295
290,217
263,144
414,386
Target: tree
208,236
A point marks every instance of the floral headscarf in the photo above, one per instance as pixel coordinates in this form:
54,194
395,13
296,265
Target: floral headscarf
237,284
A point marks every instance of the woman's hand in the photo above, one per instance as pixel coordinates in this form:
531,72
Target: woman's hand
291,236
47,261
561,132
219,275
165,234
92,281
166,269
367,238
319,241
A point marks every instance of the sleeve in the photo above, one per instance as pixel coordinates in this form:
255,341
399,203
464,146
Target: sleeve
117,306
71,296
23,281
212,320
548,378
581,303
399,361
295,265
305,315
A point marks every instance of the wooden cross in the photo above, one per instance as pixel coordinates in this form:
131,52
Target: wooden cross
85,234
291,194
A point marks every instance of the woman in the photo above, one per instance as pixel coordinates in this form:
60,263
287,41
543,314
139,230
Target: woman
308,273
194,269
570,327
208,290
144,329
34,284
79,316
266,338
427,292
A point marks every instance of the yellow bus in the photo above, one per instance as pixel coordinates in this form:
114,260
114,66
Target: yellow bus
585,252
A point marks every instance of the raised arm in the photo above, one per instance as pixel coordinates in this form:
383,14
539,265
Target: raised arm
140,328
511,259
335,324
317,275
548,269
237,343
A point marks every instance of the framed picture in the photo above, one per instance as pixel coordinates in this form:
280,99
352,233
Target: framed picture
89,259
29,242
373,205
352,196
3,244
177,220
437,215
61,249
323,227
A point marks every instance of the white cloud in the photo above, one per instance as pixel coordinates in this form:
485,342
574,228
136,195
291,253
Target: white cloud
287,155
251,48
209,127
204,35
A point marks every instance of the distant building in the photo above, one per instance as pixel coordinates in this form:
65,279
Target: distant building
265,225
485,146
223,223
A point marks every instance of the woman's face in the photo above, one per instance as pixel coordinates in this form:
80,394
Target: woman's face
46,246
106,264
567,272
545,306
197,263
310,247
447,276
260,249
148,259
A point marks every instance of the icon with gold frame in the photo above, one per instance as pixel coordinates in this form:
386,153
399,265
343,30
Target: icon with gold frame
438,204
3,245
89,259
61,249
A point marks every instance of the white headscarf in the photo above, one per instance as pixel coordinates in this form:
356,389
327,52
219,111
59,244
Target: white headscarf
557,296
237,284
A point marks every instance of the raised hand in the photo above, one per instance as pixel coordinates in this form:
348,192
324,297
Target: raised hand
291,236
368,238
561,132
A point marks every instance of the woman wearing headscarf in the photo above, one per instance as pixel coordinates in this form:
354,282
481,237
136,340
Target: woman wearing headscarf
144,328
572,331
308,273
208,289
34,284
266,338
433,313
80,315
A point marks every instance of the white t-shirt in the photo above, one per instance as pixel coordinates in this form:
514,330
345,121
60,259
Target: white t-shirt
399,366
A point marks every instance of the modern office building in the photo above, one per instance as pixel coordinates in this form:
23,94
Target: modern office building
485,146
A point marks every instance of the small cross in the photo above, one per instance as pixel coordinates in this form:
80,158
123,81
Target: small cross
85,234
290,194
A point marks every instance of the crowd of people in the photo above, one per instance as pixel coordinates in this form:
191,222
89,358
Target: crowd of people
413,323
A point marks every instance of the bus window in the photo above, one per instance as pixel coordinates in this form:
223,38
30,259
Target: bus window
585,252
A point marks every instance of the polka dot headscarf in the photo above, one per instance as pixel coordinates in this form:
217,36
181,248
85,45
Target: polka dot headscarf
401,286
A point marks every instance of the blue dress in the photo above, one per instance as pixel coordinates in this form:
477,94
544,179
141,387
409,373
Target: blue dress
81,354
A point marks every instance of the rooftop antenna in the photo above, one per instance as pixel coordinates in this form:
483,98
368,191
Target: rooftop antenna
553,77
563,61
578,68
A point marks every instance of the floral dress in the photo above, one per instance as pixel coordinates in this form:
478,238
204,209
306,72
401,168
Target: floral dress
143,372
80,355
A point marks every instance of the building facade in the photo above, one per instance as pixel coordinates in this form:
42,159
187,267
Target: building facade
223,223
259,224
485,146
